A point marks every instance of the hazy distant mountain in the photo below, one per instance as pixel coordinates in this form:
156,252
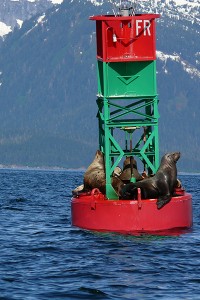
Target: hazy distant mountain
49,85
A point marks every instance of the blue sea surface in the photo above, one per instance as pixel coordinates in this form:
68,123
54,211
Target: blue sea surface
43,257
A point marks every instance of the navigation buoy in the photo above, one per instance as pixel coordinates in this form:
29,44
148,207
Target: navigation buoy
128,115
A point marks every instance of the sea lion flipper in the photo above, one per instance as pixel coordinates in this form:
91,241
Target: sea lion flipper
162,201
79,189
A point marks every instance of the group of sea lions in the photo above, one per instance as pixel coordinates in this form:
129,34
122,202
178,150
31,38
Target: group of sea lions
160,186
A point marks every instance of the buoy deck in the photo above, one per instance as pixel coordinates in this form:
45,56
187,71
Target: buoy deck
94,212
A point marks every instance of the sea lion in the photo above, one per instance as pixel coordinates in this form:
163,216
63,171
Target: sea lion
95,177
126,173
161,185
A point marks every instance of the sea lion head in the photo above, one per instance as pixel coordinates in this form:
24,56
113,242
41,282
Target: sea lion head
127,162
94,176
96,166
171,158
98,160
99,155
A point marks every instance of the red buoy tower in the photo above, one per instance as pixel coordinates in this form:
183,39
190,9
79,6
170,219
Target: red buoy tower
128,107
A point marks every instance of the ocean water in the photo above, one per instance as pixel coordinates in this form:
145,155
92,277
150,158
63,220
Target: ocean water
43,257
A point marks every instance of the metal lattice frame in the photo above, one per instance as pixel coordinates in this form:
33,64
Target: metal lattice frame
141,114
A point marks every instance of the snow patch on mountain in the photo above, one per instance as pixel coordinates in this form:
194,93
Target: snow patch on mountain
57,1
53,1
19,22
4,29
32,1
40,20
188,68
97,3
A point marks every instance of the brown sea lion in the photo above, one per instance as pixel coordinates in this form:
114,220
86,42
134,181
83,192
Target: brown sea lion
161,185
126,173
95,177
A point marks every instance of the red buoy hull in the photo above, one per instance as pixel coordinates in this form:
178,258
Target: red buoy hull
94,212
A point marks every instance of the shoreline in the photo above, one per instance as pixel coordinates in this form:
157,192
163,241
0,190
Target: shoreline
55,168
39,168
